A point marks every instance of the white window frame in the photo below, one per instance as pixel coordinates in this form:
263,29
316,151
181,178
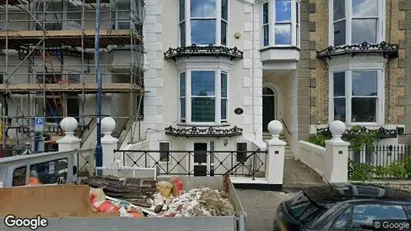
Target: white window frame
295,25
217,96
348,67
188,18
348,22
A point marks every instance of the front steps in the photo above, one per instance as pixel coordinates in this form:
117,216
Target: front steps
288,154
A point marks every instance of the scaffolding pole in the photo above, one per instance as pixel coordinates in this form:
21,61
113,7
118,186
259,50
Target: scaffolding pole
99,149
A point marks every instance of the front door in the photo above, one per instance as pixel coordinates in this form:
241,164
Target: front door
268,107
200,159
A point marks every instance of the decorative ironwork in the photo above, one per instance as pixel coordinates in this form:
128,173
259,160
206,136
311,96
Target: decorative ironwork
211,50
382,133
236,163
387,50
204,132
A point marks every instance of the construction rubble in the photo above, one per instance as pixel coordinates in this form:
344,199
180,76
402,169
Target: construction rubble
147,198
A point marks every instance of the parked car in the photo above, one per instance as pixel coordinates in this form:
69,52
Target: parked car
342,207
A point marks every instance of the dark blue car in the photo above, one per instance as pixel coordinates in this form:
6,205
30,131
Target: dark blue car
345,207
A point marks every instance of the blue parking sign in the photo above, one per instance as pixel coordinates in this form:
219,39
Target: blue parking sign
38,124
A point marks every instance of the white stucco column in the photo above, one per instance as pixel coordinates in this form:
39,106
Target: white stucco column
275,158
336,158
69,142
109,143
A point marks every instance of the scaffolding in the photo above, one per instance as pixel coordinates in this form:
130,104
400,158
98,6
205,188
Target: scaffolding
47,52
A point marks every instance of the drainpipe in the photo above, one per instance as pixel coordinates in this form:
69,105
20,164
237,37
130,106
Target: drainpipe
253,72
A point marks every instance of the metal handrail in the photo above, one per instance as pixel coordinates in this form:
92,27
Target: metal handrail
286,128
242,163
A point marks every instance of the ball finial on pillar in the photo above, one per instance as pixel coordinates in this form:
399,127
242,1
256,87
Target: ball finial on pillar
275,127
69,124
337,128
107,125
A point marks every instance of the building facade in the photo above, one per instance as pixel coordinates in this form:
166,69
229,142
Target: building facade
48,67
216,66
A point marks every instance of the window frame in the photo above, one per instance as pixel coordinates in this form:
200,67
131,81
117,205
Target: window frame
380,33
218,22
295,22
169,149
380,105
217,96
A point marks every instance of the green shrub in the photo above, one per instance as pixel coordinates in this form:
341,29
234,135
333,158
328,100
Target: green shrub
360,171
318,139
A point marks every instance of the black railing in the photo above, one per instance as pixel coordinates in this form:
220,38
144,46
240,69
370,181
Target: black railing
86,162
383,48
380,162
211,50
203,132
198,163
381,133
286,128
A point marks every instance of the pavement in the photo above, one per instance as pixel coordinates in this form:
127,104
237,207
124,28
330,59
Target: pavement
260,207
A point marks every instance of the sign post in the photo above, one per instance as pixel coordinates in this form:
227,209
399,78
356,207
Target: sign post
38,139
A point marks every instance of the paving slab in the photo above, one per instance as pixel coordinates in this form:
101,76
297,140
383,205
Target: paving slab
260,207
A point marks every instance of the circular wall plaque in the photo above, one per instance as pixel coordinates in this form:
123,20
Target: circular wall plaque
238,111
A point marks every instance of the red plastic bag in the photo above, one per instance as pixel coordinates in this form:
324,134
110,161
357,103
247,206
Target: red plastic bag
177,186
105,207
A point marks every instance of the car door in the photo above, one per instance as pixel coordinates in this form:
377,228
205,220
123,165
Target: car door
370,216
343,220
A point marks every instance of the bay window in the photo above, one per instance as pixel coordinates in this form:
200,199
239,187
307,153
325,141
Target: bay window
356,21
203,96
203,22
357,96
281,19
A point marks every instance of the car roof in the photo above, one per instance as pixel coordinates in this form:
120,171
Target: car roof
354,193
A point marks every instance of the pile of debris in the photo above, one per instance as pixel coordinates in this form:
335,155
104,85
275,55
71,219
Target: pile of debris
148,198
194,203
135,191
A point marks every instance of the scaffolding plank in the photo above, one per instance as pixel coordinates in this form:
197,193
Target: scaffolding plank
70,37
12,2
71,88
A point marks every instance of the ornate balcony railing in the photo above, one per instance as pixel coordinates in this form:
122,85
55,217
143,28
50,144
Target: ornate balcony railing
382,133
383,48
204,132
211,50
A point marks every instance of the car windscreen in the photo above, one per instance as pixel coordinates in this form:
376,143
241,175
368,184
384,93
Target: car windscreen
303,210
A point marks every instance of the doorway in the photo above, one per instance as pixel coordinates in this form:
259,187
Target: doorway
200,159
269,107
